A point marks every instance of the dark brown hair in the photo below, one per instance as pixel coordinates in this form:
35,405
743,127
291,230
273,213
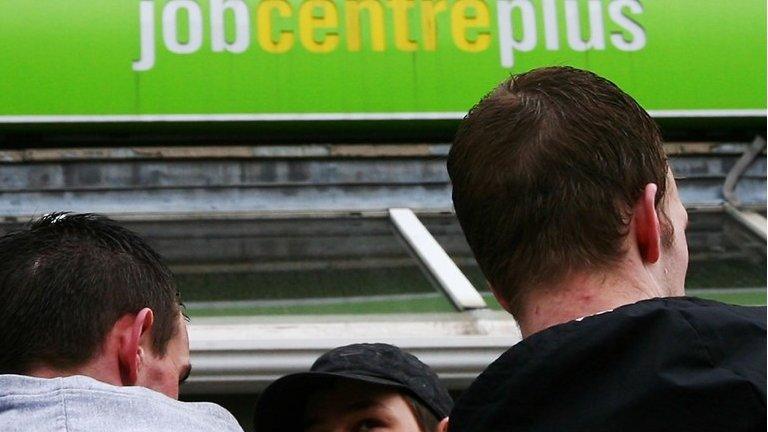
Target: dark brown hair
66,280
545,170
425,418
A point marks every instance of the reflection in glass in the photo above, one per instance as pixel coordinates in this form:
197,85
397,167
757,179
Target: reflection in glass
292,266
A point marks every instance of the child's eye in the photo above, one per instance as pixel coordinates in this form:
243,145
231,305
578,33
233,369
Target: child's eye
368,425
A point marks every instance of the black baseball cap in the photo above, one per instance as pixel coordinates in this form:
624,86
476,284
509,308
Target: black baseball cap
281,406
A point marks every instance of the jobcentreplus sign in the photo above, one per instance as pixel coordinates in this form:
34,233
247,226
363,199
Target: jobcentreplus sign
324,26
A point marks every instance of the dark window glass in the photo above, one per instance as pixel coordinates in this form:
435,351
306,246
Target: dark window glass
350,265
727,262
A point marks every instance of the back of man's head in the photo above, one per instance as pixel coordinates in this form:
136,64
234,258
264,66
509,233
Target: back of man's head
545,171
64,282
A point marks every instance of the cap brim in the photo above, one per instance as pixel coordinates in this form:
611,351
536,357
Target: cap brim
281,406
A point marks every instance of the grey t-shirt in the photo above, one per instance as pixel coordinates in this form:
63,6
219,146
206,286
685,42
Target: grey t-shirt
80,403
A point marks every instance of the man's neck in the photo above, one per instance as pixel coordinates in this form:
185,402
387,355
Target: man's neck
96,369
580,296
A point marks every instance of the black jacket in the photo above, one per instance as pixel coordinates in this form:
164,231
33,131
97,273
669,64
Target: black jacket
675,364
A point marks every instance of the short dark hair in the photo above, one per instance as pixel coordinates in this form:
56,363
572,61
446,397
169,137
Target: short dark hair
545,170
64,282
425,418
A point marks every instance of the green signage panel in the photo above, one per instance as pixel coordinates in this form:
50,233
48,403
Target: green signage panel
135,60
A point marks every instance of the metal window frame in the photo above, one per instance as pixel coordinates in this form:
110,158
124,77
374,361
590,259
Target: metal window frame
449,278
239,356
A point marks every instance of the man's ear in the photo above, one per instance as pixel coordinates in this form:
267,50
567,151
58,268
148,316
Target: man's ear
131,350
647,230
443,425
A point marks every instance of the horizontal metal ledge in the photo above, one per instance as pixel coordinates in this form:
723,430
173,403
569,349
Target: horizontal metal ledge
197,200
216,150
136,174
241,355
229,187
224,151
322,117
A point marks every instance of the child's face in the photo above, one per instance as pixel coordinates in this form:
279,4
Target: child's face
359,407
